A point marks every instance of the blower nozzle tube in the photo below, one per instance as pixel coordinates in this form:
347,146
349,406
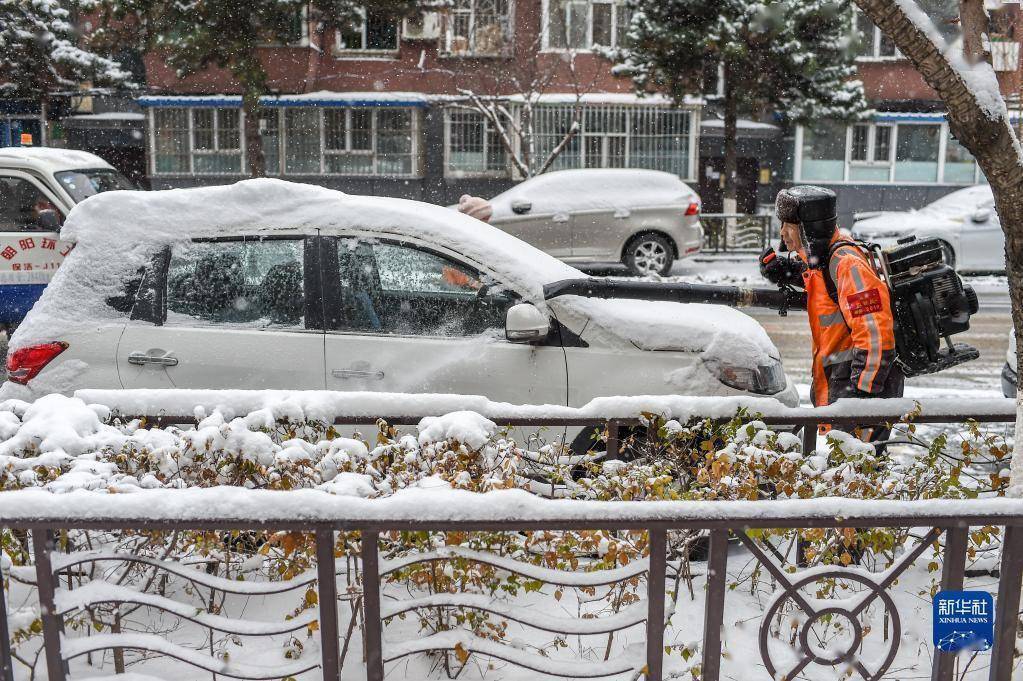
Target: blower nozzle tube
733,296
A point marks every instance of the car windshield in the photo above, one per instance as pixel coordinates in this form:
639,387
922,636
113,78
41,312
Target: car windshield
81,184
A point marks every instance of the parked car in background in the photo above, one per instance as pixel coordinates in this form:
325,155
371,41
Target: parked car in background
267,284
965,221
38,187
1010,381
644,219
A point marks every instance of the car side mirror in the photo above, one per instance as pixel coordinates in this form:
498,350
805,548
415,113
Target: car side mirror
520,207
49,220
981,215
524,323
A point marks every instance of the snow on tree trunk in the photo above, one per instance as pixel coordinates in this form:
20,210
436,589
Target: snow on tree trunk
978,117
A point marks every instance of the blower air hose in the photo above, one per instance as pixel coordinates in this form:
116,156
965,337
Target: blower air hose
711,294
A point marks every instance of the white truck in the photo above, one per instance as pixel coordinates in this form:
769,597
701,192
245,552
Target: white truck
38,187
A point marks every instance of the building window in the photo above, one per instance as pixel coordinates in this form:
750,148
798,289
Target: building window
616,136
270,133
871,42
351,141
478,27
170,141
870,155
216,141
348,141
904,152
583,24
296,140
916,153
823,152
199,141
372,32
302,141
474,147
960,166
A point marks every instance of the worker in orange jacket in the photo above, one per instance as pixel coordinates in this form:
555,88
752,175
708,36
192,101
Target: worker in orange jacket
848,304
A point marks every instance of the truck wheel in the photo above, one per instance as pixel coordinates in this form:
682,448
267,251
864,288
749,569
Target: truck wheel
649,254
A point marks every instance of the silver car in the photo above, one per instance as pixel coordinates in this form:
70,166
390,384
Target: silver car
644,219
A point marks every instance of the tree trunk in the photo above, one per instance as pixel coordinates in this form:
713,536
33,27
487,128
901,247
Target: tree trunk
731,130
990,140
974,22
253,140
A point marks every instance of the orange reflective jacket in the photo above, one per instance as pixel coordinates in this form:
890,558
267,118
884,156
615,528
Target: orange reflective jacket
853,338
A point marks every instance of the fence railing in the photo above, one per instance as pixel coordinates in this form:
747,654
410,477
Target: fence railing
736,232
41,517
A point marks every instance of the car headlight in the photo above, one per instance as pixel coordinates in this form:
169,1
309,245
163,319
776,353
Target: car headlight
764,379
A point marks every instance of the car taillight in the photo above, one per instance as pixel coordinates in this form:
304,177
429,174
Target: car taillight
24,364
694,208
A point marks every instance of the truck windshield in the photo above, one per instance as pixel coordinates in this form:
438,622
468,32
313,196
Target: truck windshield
81,184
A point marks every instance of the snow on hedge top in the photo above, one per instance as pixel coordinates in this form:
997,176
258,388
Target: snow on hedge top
595,189
116,233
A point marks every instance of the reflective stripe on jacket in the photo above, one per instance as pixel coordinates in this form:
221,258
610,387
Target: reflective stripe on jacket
853,339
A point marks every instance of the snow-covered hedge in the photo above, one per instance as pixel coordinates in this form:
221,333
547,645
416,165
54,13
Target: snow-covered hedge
61,445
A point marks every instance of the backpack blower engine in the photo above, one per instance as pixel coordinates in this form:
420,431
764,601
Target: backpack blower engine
930,303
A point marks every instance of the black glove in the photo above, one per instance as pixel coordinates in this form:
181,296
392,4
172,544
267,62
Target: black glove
781,271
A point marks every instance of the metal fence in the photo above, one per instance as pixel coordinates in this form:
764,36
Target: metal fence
325,515
736,232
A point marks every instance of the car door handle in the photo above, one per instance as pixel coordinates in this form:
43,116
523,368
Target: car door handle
560,217
357,373
142,359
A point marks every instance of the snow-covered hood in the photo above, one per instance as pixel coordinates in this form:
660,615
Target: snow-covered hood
714,331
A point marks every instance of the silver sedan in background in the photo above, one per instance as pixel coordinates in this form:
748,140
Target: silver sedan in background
643,219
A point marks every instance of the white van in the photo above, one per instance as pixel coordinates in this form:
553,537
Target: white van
38,187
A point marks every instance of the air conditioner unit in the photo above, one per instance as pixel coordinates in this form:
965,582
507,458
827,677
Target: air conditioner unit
422,26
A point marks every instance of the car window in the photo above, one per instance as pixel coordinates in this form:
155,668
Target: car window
21,205
250,284
398,288
81,184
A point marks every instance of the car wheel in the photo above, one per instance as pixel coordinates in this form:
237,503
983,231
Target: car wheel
649,254
948,254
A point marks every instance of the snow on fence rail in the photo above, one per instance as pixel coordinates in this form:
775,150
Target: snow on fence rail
45,513
189,406
41,515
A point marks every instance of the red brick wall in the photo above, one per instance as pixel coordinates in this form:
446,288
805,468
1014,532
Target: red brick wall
419,66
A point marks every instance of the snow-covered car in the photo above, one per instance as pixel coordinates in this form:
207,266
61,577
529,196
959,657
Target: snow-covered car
1010,381
644,219
38,187
965,221
266,284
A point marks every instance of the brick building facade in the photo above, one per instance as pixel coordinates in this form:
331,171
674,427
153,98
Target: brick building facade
380,108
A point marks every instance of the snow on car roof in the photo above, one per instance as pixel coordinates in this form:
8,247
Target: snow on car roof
117,232
595,188
52,160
